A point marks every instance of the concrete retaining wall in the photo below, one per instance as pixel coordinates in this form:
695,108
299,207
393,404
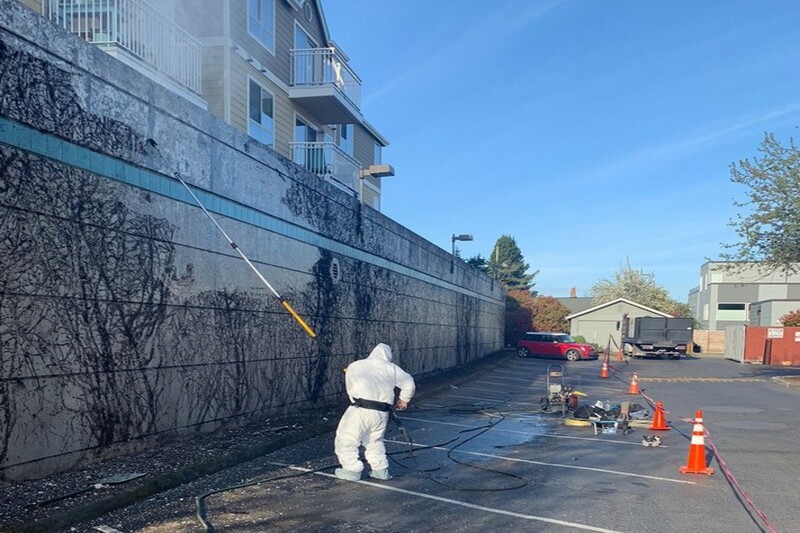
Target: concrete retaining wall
125,315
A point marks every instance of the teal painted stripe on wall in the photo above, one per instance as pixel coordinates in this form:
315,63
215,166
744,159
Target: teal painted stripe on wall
20,136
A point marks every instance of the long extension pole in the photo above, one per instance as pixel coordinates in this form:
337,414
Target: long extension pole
283,302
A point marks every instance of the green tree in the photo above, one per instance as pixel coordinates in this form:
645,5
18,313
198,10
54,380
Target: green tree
640,287
769,228
508,267
478,262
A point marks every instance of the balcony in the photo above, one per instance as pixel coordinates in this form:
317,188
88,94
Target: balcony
138,35
328,161
322,82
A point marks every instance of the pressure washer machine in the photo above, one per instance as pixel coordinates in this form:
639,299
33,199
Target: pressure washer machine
559,394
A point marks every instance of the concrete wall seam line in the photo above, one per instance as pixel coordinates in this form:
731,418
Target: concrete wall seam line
20,136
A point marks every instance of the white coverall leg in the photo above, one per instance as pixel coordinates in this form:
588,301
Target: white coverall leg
361,427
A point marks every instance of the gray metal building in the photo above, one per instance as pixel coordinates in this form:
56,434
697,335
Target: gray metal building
728,290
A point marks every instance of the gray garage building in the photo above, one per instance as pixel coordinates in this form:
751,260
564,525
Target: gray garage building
600,322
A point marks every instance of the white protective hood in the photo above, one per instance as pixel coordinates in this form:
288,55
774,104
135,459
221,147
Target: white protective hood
376,377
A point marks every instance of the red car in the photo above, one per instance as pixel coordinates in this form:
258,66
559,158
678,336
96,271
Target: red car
558,345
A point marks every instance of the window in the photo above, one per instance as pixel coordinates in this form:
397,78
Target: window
346,138
260,123
732,311
535,337
261,22
376,155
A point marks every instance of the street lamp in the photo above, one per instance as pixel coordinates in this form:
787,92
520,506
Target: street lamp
462,237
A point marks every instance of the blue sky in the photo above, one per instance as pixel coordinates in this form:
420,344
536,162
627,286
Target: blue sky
596,133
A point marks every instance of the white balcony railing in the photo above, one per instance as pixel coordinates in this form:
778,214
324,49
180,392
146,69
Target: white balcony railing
328,160
324,67
137,27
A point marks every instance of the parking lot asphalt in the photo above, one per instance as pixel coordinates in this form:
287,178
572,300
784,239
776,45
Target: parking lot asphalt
483,457
40,505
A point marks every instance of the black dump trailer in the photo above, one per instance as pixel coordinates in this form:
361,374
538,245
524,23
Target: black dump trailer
659,337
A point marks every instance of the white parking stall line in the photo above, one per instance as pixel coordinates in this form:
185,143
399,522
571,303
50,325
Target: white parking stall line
494,510
528,433
556,465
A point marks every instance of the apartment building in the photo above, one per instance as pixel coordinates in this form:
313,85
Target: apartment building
728,290
267,67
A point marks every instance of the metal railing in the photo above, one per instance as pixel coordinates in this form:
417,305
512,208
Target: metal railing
315,67
327,159
137,27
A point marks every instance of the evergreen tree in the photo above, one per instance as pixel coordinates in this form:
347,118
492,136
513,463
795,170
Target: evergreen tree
478,262
508,267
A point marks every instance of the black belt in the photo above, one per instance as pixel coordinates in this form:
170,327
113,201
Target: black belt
370,404
386,407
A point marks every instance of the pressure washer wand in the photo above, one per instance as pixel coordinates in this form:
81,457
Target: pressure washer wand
283,302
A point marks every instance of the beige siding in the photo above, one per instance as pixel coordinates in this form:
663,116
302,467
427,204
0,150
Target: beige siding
238,96
284,41
284,124
371,198
363,145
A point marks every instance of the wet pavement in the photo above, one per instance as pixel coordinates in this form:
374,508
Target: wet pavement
483,457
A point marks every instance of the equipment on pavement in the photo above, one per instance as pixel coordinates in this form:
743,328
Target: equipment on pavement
559,394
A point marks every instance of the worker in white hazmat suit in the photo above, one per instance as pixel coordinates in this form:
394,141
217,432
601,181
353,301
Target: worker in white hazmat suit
371,386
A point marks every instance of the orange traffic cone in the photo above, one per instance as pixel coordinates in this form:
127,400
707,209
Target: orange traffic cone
619,354
659,424
634,388
604,371
696,462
